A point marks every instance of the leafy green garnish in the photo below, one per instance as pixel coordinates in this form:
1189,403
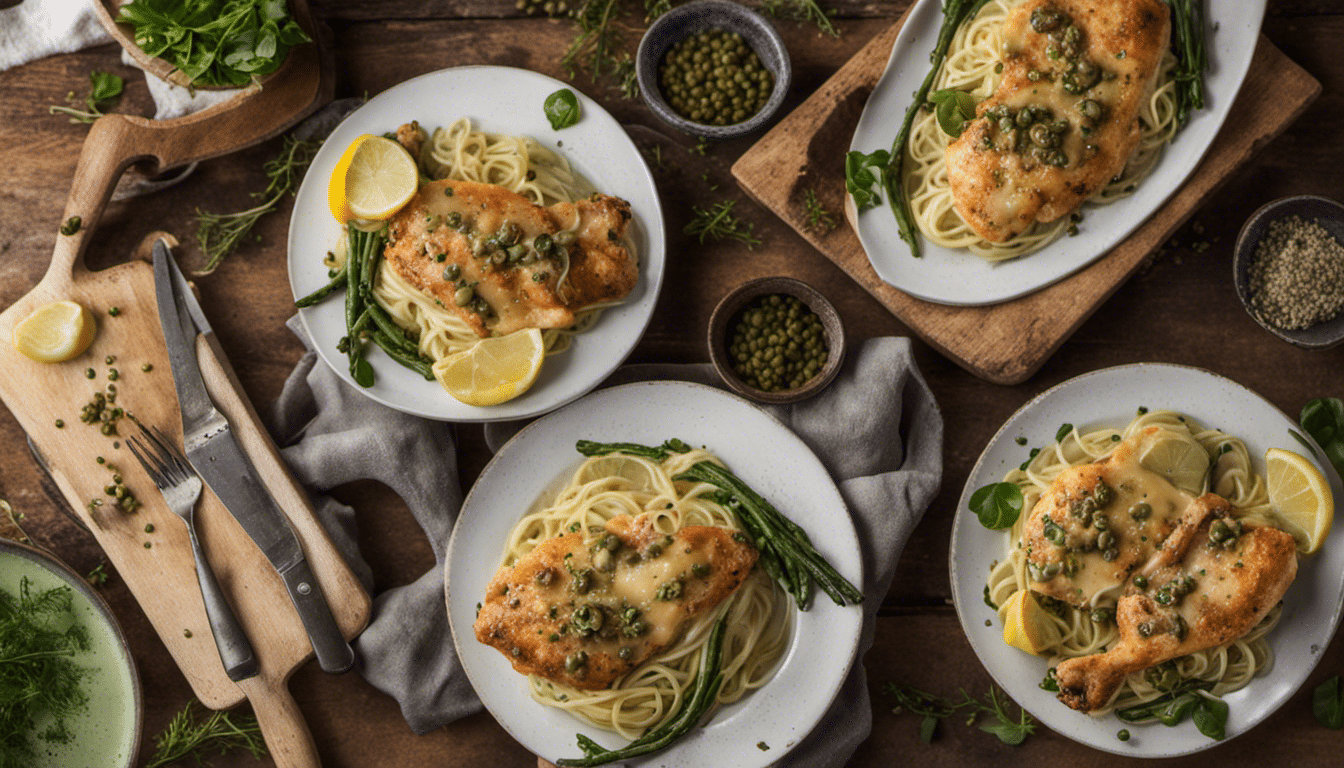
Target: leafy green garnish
953,108
932,709
803,10
862,173
1063,432
1187,37
650,452
718,222
1188,700
219,731
562,108
1327,703
1210,717
103,88
39,679
818,219
215,42
998,505
220,233
1323,419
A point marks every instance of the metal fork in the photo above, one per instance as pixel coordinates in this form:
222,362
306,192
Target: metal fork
181,489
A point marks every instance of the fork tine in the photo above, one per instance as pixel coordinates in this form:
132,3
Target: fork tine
173,465
155,472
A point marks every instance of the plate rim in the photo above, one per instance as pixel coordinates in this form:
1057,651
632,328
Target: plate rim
945,288
1056,715
848,622
650,220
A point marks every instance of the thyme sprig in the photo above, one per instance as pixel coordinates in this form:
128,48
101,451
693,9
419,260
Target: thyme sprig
718,222
188,735
220,233
803,10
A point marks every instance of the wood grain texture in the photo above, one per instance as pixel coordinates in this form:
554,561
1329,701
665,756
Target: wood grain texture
1003,343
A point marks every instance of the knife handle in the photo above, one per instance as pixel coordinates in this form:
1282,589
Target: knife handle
333,653
235,651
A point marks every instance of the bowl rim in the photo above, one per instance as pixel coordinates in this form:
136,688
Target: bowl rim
832,326
650,52
49,560
1243,251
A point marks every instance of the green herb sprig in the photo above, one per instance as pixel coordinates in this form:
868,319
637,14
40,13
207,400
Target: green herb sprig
718,222
816,217
993,707
222,731
1327,703
219,234
803,10
997,505
1208,713
104,87
1187,37
1323,419
215,42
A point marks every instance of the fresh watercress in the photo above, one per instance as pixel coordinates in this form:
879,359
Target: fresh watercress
998,505
562,108
215,42
1327,703
862,173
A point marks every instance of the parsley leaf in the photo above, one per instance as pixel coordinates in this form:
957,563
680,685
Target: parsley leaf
860,178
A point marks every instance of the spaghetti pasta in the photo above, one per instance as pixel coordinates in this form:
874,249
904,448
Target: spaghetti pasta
758,612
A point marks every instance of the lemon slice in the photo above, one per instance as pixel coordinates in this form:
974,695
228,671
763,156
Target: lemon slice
1027,625
55,332
495,370
1181,460
1300,496
373,179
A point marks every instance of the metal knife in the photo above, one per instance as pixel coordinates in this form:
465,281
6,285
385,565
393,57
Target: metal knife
213,450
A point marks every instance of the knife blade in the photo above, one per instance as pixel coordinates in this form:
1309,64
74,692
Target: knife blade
213,450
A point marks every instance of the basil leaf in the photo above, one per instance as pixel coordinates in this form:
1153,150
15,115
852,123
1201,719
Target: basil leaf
998,505
105,85
562,108
1210,717
954,109
1327,703
860,178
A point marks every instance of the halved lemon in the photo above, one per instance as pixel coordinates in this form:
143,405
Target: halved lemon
1300,496
55,332
373,179
1178,458
1027,625
494,371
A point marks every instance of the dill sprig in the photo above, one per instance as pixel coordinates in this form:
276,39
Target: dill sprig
220,233
39,679
104,87
718,222
817,218
802,10
219,731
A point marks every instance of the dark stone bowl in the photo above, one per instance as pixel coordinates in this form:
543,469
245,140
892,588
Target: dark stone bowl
1330,215
693,17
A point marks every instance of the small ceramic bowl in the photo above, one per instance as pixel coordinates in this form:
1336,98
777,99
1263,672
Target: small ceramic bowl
725,316
1330,215
697,16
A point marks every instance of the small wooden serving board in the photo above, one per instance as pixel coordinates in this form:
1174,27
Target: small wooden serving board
1002,343
157,563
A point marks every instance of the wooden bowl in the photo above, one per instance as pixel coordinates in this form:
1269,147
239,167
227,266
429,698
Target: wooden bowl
725,316
1330,215
685,20
108,10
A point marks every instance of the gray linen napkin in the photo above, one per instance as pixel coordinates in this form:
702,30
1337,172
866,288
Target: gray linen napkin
877,429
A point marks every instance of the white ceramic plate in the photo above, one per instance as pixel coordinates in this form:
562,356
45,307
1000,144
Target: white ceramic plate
825,637
1110,397
498,100
958,277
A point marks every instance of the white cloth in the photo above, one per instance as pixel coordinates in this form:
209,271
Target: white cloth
35,29
877,429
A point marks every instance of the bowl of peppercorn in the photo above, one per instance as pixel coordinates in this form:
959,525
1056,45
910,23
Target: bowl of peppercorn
713,69
776,340
1288,268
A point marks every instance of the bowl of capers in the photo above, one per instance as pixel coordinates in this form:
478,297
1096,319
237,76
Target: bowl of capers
713,69
776,340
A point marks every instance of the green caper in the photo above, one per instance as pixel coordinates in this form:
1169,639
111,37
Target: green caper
713,77
1141,581
452,272
464,295
1090,109
1141,510
576,661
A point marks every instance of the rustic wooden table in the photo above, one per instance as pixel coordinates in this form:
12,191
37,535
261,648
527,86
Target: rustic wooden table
1181,308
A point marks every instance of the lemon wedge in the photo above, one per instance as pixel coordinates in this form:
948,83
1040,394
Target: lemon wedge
1180,459
1300,496
1026,625
495,370
55,332
373,179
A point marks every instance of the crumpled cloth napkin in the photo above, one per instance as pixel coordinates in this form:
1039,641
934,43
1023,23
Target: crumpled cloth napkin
35,29
877,429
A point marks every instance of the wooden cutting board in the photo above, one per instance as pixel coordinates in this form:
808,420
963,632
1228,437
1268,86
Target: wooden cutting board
156,563
1002,343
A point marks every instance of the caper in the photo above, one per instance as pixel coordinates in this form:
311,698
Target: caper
463,296
1141,510
1141,581
653,550
1105,540
576,661
1219,532
1046,19
1090,109
611,542
1041,136
604,561
452,272
1024,118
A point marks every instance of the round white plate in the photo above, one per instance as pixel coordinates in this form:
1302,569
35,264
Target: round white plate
498,100
1111,397
958,277
757,448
